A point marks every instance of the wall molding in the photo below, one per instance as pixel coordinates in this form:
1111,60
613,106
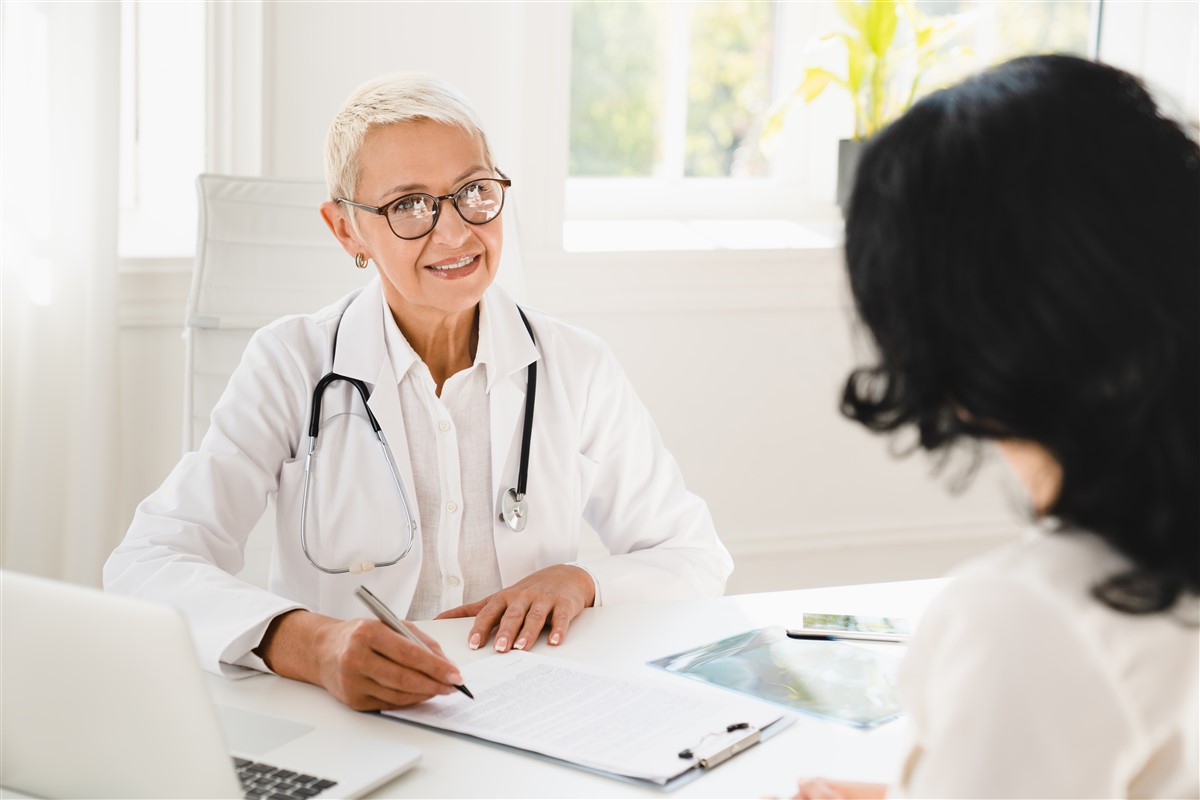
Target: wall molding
805,560
154,296
153,293
792,542
682,282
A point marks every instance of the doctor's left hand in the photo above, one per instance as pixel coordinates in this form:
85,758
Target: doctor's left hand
519,613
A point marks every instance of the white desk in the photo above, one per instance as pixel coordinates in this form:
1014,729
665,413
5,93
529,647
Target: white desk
624,635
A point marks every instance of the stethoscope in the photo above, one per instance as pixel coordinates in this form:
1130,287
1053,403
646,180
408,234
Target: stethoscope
514,508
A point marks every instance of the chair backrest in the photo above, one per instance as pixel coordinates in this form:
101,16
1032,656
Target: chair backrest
263,253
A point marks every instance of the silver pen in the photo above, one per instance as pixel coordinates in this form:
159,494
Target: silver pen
386,616
846,636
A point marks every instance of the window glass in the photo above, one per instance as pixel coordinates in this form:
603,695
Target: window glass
669,89
999,31
683,90
162,126
729,88
618,67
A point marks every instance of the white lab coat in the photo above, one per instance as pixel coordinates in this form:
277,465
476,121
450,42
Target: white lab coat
595,455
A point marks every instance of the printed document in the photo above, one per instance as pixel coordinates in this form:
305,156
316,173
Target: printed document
632,724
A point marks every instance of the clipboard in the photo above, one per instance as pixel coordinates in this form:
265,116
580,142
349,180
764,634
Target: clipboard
632,725
690,773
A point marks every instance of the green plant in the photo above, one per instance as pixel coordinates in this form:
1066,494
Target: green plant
889,50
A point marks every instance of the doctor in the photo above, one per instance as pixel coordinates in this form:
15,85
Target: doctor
448,365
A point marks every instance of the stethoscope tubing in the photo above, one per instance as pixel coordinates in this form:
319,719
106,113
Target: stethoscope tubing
527,430
318,393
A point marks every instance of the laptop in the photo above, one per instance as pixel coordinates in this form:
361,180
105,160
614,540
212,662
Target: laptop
104,696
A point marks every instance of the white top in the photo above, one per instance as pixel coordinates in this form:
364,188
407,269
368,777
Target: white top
449,444
595,455
1020,684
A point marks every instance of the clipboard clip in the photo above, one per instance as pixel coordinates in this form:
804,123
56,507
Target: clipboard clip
753,737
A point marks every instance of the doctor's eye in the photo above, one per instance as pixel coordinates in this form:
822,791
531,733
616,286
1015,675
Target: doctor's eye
413,205
473,192
479,201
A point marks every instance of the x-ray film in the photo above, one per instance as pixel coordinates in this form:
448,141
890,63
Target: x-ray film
835,680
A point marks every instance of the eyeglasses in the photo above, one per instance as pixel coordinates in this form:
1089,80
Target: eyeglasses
412,216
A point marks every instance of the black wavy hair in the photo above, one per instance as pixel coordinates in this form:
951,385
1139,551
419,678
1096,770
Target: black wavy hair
1024,248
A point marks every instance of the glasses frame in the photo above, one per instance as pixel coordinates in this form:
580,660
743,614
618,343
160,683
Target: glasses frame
504,181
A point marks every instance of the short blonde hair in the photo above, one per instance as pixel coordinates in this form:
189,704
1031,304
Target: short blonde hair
387,100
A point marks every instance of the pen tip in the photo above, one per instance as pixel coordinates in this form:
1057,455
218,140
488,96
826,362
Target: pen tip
465,691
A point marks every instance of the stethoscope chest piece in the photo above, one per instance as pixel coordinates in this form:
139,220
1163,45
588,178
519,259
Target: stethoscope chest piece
514,510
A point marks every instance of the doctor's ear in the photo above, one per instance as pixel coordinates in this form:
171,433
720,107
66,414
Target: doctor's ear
337,218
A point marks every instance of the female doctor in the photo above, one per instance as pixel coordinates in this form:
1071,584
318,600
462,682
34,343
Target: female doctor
503,429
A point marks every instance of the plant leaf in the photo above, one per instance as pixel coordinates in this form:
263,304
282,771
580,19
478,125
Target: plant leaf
856,63
854,13
880,25
815,81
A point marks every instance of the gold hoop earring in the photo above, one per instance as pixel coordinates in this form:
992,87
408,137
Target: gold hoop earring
360,261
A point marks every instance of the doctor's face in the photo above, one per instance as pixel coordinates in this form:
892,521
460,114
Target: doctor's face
445,272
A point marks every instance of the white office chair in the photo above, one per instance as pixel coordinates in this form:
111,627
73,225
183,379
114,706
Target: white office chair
264,252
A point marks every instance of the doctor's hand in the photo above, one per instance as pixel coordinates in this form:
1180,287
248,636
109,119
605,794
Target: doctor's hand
553,595
363,663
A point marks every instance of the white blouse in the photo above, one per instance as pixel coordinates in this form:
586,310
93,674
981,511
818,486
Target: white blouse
449,444
1020,684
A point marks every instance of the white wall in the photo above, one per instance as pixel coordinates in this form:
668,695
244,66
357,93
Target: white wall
739,355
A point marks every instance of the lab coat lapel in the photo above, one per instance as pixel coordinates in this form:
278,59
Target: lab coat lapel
507,351
507,403
362,354
385,405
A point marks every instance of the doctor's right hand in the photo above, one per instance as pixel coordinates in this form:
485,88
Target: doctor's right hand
363,663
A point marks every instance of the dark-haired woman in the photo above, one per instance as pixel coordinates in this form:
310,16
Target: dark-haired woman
1025,251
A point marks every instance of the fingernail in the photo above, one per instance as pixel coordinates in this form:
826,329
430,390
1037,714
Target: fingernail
555,638
502,644
454,678
520,645
474,643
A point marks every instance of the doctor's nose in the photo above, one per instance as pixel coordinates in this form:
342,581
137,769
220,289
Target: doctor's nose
450,229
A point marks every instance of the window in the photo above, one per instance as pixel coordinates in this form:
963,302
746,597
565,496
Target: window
669,102
162,126
684,86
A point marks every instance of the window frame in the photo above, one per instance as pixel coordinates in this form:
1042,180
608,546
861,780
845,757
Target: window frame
801,187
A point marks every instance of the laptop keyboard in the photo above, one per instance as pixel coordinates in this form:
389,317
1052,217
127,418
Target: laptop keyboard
264,782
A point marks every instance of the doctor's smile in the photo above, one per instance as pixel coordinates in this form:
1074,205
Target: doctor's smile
454,268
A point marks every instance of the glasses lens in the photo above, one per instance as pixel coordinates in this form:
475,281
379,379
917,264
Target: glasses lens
412,215
480,201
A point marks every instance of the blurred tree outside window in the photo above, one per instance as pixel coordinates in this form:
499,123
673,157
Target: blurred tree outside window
997,31
669,89
729,88
617,67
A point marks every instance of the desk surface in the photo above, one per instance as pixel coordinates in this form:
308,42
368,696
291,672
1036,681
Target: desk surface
629,635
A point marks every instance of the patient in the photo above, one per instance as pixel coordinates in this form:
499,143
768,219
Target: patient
1024,249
